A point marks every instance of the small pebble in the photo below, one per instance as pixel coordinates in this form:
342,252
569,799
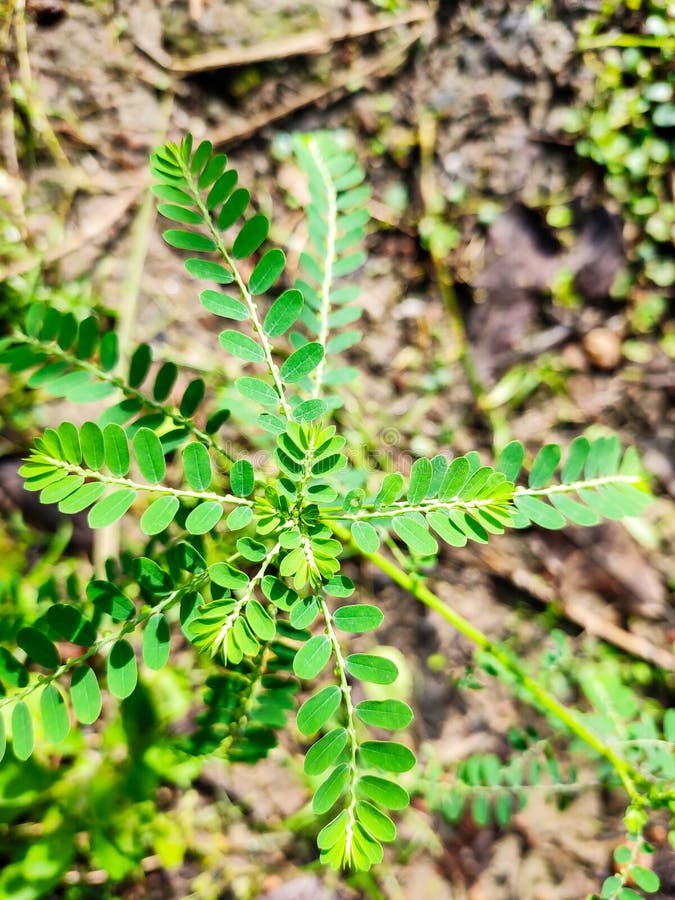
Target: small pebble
603,348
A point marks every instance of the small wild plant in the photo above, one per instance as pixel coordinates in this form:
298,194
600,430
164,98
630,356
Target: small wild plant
246,561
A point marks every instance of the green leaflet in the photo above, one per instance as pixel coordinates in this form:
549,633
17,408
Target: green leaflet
391,490
197,466
188,240
415,535
339,586
375,669
304,612
329,793
358,617
251,236
283,313
393,715
242,478
241,345
539,512
325,752
54,714
116,449
257,390
302,362
194,393
387,755
576,512
108,598
93,448
227,576
70,625
164,381
149,455
122,670
223,305
139,365
70,442
156,642
85,695
381,790
239,518
204,517
267,271
315,712
261,623
312,657
38,647
159,515
446,529
544,466
376,823
221,189
22,731
576,459
209,271
420,480
111,507
233,208
365,537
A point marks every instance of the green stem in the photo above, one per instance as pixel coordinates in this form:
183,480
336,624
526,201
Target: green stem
600,41
545,701
148,488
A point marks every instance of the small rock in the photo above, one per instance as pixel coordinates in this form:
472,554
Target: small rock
603,348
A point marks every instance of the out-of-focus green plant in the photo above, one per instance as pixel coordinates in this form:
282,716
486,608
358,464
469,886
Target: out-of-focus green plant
626,127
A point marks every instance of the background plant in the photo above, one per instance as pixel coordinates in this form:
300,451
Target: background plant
244,561
626,128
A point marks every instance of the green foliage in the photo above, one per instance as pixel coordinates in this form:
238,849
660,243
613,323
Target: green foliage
626,128
245,560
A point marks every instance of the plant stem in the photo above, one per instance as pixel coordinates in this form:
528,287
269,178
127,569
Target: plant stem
600,41
541,697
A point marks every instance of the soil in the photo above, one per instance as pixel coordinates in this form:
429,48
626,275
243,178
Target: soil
496,79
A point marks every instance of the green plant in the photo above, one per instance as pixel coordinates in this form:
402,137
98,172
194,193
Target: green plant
626,128
257,593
